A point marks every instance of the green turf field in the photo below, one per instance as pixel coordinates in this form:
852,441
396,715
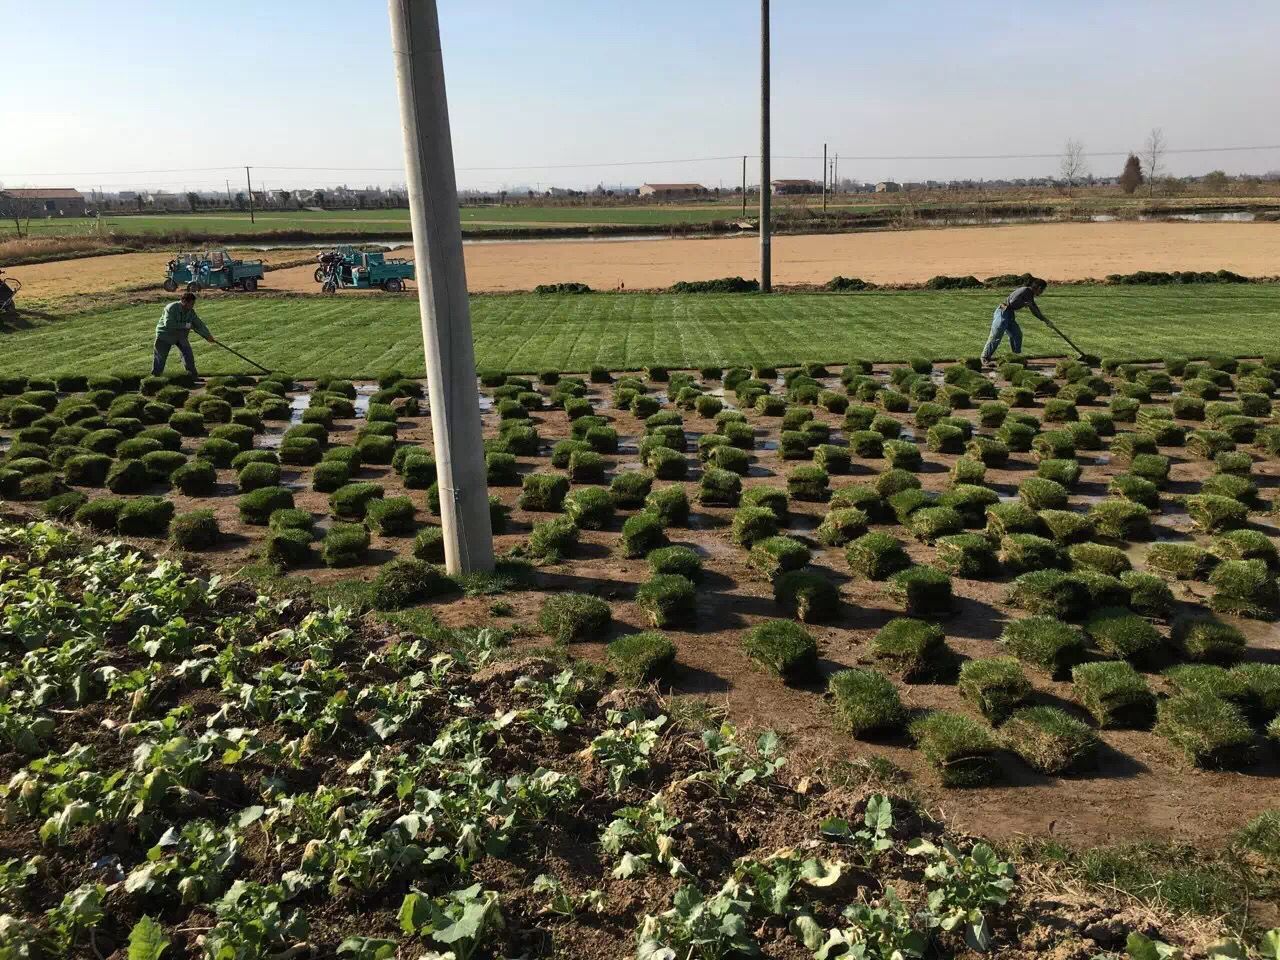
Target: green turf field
363,335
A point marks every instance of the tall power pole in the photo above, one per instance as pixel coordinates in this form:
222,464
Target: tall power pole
249,183
442,286
825,171
766,252
835,174
744,185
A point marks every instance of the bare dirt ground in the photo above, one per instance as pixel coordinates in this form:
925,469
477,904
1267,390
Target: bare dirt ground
1142,788
1068,251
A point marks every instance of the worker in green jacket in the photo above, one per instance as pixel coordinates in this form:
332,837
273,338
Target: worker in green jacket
176,323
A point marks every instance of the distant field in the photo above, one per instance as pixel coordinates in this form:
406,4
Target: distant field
360,336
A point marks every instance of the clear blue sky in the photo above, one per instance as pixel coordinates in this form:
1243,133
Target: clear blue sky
93,88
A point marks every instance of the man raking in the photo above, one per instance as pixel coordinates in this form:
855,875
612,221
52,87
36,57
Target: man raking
176,323
1005,318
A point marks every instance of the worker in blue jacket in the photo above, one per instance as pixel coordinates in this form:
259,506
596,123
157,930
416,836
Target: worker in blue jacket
1005,318
176,323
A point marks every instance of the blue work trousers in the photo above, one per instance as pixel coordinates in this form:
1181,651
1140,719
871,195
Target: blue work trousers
1002,323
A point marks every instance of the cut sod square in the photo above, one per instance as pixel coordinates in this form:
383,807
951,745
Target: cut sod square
1045,642
1006,519
929,524
720,488
404,582
1245,588
1039,493
1149,595
774,555
968,555
866,444
1121,519
959,748
1121,634
640,658
569,617
841,525
1209,641
1067,527
831,458
351,502
968,470
725,457
1247,545
1213,514
642,534
751,524
1114,693
783,647
552,540
630,488
902,455
808,483
591,508
670,505
864,498
1050,741
669,600
1050,593
1100,558
810,596
866,702
876,556
892,482
196,530
1208,678
915,648
1232,486
1182,561
543,492
287,548
1213,733
1064,472
971,502
1025,552
257,506
393,516
676,559
145,517
906,502
995,685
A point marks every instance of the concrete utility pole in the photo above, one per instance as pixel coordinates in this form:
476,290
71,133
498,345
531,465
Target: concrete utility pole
766,252
744,185
835,174
249,183
825,170
442,286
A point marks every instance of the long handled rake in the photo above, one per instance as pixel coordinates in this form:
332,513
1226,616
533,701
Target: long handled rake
1085,357
242,356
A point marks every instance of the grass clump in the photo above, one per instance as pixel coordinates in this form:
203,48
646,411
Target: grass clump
809,595
1247,545
959,748
1245,588
808,483
720,488
640,658
841,525
591,508
1182,561
552,540
543,492
345,545
1121,520
1063,472
995,685
1025,552
405,582
876,556
783,647
392,516
1214,514
928,524
915,648
288,547
668,600
351,502
641,534
1114,693
774,555
1121,634
1050,593
1006,519
1049,740
968,555
257,506
752,524
1098,557
1148,594
569,617
128,476
1207,640
1211,732
145,517
629,489
1066,526
102,514
865,702
683,561
196,530
1039,493
670,505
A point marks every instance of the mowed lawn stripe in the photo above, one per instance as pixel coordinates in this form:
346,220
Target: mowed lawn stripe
362,336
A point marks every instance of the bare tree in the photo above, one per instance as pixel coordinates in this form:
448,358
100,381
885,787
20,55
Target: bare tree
1074,166
1153,154
19,210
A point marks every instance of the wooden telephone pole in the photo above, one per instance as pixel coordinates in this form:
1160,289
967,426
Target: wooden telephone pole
442,286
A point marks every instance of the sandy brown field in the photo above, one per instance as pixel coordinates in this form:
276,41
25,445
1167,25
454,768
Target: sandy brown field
1070,251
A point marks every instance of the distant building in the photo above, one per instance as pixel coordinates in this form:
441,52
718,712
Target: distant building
782,188
47,201
670,190
888,186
